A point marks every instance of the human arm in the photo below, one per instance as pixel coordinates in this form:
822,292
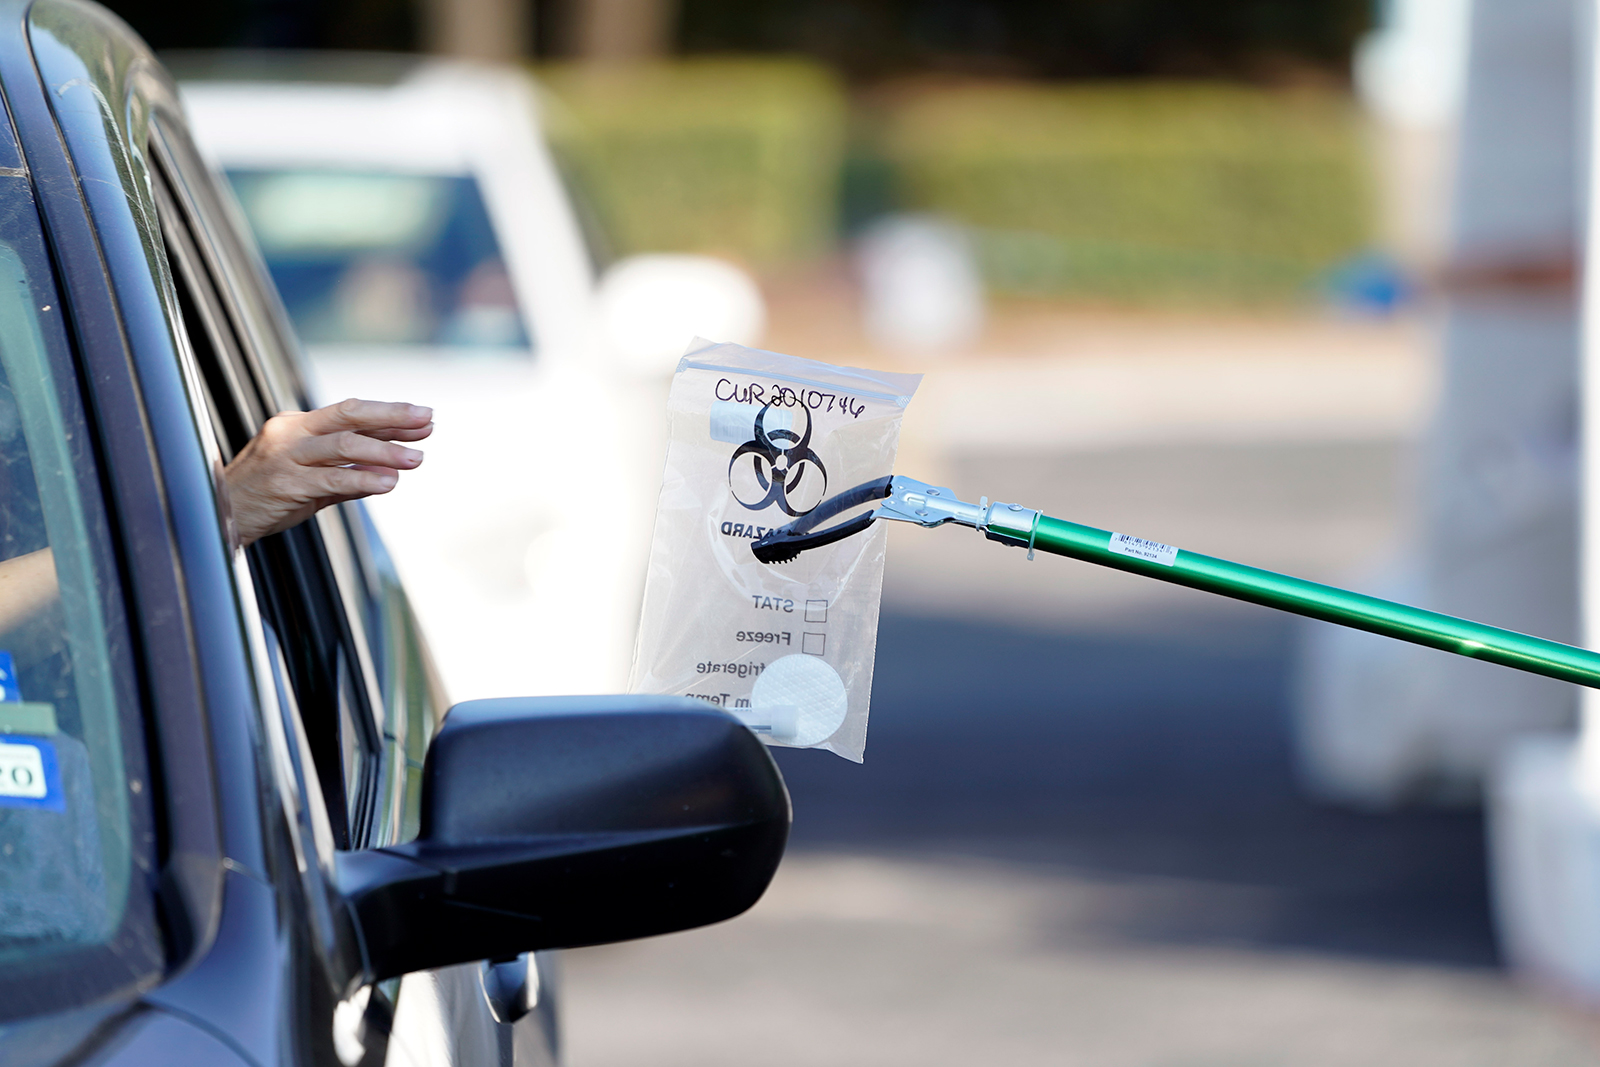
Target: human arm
27,587
302,461
299,463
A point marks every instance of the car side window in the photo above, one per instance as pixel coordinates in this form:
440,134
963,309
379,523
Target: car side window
300,597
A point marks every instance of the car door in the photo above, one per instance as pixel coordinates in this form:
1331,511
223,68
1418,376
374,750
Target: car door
334,616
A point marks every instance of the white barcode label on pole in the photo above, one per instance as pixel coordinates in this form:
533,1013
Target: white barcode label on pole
1139,548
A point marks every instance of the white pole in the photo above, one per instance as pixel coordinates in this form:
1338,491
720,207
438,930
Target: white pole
1588,755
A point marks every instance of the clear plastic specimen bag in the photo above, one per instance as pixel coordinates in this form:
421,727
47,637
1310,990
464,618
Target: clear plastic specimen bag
757,440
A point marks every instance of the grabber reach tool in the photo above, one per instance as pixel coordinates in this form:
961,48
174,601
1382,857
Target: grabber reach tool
908,500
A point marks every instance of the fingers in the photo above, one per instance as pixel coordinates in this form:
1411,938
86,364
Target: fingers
301,462
352,483
347,446
371,417
401,435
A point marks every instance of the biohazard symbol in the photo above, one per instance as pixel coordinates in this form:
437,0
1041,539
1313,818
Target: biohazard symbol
781,472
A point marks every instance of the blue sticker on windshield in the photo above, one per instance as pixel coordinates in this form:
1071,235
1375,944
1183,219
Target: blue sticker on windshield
29,774
10,691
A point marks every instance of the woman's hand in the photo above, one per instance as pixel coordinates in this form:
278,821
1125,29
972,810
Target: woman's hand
302,461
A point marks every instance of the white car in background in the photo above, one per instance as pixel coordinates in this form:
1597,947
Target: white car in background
426,249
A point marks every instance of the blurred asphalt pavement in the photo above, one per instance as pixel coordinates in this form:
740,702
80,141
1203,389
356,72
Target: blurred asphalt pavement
1076,838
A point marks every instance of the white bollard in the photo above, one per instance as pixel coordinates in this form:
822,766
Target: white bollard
919,283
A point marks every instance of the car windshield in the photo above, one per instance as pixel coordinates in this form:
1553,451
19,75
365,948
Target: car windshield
74,821
370,258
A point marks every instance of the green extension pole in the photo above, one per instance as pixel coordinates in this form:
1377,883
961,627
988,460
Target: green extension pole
1328,603
907,500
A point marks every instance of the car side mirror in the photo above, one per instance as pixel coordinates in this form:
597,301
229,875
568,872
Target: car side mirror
556,822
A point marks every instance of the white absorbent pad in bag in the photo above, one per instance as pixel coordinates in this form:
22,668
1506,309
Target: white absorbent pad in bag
756,440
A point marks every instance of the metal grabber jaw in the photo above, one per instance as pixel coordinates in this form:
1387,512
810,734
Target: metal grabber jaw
904,500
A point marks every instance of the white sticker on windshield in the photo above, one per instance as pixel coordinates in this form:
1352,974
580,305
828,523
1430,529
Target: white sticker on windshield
1139,548
29,776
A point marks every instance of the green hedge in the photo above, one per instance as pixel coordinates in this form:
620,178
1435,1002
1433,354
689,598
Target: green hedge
1141,190
728,156
1129,191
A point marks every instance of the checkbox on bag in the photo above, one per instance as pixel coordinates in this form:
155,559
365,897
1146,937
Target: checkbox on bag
813,644
816,611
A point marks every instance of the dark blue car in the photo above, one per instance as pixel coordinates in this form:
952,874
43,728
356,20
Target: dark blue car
237,825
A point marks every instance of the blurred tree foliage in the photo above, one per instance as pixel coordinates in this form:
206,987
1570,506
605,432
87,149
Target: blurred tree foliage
385,25
861,38
1253,39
